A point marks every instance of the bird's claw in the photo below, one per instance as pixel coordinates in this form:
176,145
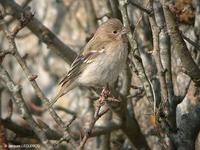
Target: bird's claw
105,92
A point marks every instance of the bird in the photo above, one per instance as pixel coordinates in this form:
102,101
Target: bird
100,62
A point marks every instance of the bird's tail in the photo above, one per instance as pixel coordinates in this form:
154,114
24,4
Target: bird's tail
51,103
64,89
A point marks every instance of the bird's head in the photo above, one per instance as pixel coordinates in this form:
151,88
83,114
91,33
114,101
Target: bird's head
112,29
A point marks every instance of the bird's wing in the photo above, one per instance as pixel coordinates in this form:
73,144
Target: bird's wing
80,63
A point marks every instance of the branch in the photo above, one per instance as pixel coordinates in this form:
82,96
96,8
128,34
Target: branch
193,43
129,124
16,91
24,20
101,130
164,45
42,32
147,11
115,9
165,49
22,131
156,53
188,130
135,52
179,44
91,16
97,115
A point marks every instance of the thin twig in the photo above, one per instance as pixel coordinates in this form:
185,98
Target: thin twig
179,44
135,53
42,32
68,111
25,131
12,47
195,44
156,53
132,2
97,115
16,91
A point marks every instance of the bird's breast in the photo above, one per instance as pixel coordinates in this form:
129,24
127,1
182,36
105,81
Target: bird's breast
106,67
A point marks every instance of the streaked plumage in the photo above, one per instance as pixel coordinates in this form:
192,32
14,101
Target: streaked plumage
101,60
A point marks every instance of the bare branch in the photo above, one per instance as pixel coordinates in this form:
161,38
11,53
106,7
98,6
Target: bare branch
132,2
188,130
165,49
115,9
129,124
196,45
97,115
91,19
16,91
137,60
156,52
42,32
12,47
179,45
22,131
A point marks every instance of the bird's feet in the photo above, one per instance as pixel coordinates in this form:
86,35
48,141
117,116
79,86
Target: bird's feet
105,92
106,96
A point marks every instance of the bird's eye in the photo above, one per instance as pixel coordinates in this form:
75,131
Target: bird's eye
115,32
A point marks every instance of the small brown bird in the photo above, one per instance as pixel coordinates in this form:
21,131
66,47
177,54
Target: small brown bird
100,61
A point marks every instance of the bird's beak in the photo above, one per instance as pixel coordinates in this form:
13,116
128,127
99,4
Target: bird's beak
124,30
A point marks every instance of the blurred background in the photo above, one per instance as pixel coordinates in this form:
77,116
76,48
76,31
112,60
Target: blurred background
74,22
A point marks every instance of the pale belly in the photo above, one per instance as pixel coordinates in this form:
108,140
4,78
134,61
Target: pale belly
106,71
